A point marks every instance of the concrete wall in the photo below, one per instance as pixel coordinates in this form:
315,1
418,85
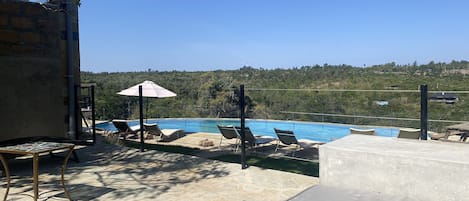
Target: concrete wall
33,72
418,170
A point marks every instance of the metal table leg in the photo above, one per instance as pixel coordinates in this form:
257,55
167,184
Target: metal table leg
7,174
70,151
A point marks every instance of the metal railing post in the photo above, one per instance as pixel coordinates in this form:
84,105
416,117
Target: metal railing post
423,112
244,165
77,127
93,114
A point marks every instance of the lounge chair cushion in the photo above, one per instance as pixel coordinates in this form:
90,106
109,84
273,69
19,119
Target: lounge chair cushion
254,140
287,137
170,134
362,131
409,133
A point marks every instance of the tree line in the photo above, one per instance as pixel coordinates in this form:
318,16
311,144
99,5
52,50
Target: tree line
291,94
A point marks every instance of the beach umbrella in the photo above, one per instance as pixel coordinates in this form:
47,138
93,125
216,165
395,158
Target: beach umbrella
149,90
146,89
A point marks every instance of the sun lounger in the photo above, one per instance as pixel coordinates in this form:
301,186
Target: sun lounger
228,132
287,138
124,130
165,135
409,133
362,131
252,140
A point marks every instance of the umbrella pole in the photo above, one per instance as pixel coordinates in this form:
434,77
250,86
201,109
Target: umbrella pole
146,112
140,103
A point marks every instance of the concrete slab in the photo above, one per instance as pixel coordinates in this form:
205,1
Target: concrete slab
421,170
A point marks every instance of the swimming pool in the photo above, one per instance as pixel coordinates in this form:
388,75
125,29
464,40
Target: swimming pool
324,132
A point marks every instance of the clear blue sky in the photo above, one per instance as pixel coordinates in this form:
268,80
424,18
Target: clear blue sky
117,35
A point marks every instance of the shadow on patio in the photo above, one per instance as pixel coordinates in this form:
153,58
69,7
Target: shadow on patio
111,172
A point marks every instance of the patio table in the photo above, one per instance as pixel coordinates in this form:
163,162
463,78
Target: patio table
35,149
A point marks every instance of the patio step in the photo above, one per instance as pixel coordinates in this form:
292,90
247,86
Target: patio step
328,193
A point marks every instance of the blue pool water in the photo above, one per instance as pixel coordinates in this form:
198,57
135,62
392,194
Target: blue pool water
323,132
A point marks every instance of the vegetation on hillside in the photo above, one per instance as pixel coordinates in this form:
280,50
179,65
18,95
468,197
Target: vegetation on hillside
216,93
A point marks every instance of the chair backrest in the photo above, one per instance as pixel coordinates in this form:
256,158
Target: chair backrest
286,136
228,132
121,125
153,129
409,133
362,131
250,139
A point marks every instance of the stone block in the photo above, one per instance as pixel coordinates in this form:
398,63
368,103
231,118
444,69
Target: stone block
22,22
34,10
5,49
3,20
27,50
47,24
9,36
23,50
10,7
30,37
206,143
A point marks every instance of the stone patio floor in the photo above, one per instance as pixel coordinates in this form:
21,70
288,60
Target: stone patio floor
111,172
308,150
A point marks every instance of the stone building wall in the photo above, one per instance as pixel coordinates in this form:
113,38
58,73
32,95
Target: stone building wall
33,72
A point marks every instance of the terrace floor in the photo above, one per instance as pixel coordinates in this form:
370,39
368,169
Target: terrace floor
111,172
308,150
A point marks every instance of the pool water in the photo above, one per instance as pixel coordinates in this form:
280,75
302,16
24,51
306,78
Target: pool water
324,132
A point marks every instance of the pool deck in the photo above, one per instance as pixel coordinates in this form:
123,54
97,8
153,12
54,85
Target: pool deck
112,172
308,151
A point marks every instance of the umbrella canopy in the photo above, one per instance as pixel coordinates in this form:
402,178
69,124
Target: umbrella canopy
149,89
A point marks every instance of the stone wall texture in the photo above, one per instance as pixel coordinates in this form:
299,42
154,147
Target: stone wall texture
33,70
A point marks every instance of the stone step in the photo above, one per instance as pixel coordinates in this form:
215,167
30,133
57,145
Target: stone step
328,193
